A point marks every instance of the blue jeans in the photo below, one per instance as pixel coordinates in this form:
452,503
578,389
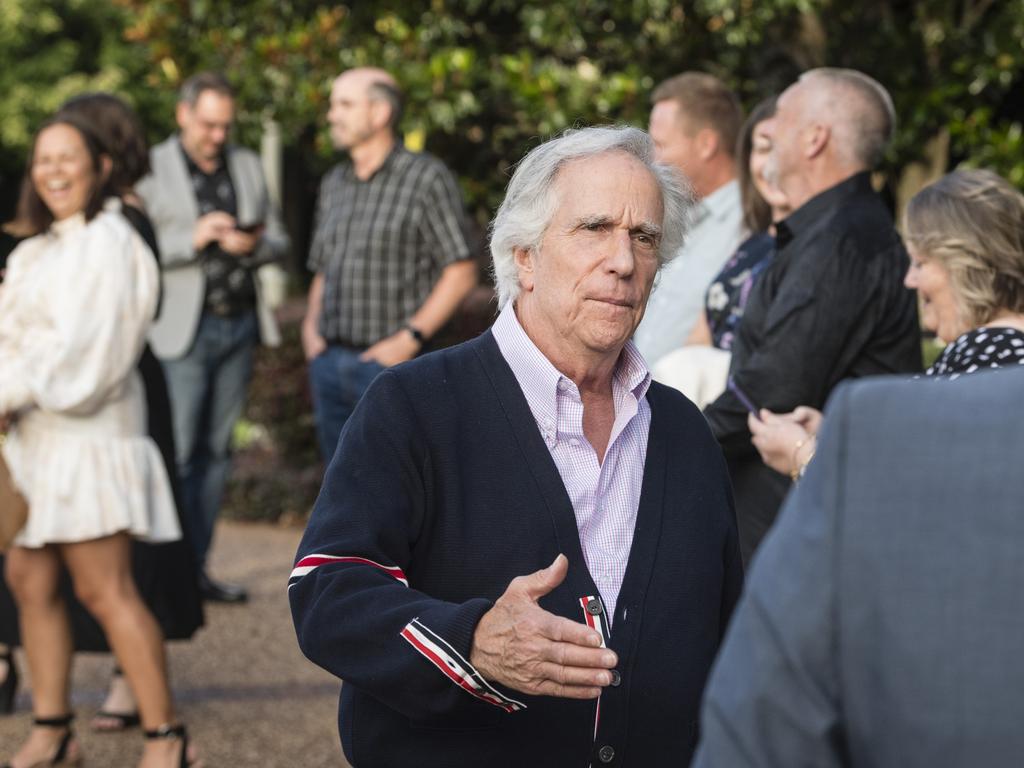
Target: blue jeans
337,378
208,388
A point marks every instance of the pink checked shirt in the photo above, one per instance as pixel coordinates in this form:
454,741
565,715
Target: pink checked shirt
604,496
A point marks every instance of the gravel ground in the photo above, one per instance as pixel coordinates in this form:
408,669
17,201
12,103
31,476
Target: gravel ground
247,693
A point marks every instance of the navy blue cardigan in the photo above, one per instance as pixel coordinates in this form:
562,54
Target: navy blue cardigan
441,492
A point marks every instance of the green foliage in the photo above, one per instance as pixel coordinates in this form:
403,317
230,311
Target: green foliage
486,79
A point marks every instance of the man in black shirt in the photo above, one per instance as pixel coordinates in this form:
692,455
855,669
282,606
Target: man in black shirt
832,304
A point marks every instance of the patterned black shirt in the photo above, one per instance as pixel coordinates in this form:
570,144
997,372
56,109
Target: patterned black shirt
381,244
980,349
230,289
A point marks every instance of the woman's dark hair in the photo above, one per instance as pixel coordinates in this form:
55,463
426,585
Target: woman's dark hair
33,217
757,214
120,132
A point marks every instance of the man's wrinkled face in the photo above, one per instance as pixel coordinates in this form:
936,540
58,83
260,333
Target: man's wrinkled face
349,115
585,288
206,125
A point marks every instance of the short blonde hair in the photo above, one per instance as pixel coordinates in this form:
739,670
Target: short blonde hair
972,222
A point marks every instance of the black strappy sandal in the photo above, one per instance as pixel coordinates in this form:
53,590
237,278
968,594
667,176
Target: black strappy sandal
62,756
173,732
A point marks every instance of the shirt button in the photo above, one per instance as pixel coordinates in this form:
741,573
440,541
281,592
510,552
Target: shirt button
606,754
574,443
616,678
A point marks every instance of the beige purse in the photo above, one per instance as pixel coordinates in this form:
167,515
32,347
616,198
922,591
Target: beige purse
13,507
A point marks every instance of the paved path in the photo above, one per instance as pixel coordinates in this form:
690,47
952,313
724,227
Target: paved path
247,693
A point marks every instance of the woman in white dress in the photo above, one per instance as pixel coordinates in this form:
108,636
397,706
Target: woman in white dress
75,306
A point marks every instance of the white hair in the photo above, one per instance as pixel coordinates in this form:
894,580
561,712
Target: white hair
861,112
529,203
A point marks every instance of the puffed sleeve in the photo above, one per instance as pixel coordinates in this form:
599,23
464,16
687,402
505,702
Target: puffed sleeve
81,341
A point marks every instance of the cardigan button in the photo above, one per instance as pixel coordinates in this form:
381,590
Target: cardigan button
594,607
606,754
616,678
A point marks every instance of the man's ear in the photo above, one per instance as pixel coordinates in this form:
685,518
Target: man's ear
816,139
380,113
181,112
525,265
707,143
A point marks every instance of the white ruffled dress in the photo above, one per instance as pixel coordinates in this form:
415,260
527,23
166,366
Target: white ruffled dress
75,307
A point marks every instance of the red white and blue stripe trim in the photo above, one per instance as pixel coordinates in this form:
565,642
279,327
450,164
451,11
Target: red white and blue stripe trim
595,621
310,563
455,667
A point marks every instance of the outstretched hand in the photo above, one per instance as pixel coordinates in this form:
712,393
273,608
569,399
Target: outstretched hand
520,645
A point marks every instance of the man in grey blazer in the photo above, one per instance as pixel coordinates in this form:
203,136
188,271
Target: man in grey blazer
882,619
218,230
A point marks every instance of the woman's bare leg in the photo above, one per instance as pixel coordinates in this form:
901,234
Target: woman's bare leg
101,572
33,576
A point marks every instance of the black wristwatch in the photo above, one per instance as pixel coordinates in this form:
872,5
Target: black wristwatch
416,333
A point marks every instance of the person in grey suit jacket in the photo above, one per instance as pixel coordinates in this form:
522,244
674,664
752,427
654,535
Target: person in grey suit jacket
881,623
218,231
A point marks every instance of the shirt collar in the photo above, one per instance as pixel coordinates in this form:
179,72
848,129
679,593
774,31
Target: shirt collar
811,211
538,377
723,200
77,220
397,150
194,168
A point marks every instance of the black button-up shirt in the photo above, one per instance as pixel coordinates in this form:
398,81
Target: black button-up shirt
382,243
830,306
229,284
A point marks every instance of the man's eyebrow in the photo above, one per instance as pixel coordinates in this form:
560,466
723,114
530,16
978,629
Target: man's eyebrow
648,228
594,220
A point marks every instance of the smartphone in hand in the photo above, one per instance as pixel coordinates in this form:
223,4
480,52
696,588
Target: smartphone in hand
733,387
250,229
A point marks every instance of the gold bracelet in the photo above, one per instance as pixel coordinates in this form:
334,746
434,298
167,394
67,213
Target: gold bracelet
796,469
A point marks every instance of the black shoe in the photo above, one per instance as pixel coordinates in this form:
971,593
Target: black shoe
174,732
67,749
9,687
221,591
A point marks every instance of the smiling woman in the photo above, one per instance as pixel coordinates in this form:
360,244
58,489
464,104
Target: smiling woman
79,296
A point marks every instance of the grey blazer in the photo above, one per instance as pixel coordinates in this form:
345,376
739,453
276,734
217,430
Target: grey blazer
171,206
883,619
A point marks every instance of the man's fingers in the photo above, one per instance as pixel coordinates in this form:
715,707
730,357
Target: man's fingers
588,677
569,655
539,583
551,688
563,630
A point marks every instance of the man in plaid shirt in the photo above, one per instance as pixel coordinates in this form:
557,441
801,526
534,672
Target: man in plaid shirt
390,252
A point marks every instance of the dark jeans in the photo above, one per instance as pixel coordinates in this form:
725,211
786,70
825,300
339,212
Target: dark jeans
338,378
208,387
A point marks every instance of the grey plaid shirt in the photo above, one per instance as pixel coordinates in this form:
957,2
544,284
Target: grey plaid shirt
381,244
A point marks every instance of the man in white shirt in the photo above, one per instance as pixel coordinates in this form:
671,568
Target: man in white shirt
694,123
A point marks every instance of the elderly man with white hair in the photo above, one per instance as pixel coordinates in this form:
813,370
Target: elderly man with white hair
524,552
832,304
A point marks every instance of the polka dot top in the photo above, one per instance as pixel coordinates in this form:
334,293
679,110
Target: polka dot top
980,349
